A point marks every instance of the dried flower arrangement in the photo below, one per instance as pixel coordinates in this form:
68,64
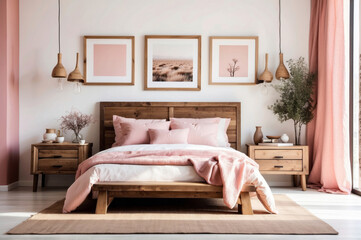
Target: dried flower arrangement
76,121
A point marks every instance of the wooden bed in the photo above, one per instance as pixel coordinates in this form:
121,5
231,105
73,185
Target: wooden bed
166,110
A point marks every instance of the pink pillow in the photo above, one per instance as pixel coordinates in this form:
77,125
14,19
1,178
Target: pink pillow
135,131
161,136
223,123
199,133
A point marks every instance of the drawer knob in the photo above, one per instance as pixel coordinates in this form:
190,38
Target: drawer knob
278,166
57,166
278,157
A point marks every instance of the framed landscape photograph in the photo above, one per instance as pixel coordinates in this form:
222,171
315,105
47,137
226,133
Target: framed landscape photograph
109,60
233,60
172,63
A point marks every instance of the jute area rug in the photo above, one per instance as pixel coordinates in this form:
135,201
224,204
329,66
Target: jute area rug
174,216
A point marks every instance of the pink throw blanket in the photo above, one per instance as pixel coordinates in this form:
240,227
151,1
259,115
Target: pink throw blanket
228,168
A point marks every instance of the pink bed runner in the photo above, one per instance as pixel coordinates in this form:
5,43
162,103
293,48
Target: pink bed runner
228,168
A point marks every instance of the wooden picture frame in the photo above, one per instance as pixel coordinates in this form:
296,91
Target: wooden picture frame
172,62
109,60
233,60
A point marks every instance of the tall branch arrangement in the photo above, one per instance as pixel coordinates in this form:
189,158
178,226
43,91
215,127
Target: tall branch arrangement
75,121
296,102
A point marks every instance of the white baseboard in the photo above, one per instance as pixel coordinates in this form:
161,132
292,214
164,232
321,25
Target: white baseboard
5,188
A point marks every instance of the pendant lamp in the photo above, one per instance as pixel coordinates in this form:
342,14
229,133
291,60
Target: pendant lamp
281,72
59,71
76,77
266,76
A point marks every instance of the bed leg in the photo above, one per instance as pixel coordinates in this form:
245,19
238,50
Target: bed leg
244,204
102,203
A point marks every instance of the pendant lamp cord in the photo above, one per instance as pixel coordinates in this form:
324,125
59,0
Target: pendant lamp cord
59,24
279,24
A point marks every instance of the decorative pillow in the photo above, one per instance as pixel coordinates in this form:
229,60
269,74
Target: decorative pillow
130,131
161,136
199,133
223,123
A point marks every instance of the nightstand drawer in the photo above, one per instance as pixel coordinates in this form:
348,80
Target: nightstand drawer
47,153
53,164
280,165
277,154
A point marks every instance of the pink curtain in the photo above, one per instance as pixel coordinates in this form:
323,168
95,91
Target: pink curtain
327,134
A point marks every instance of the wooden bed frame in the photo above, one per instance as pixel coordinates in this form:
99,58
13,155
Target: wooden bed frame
166,110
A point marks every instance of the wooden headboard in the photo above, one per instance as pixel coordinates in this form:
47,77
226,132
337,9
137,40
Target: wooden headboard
166,110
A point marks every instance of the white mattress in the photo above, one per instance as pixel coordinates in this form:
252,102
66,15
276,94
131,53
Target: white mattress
115,172
126,172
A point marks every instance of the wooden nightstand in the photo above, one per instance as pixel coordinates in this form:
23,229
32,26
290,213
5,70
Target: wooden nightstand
57,158
291,160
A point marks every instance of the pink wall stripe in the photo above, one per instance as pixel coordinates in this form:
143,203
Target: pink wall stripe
9,91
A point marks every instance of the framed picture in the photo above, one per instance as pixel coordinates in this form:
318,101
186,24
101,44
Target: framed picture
172,63
109,60
233,60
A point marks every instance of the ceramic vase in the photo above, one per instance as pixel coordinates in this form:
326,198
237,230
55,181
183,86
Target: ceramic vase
285,138
49,135
258,135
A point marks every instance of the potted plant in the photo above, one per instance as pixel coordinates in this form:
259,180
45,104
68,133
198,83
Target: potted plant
296,102
75,121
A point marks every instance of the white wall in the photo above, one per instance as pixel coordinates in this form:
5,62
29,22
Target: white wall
41,105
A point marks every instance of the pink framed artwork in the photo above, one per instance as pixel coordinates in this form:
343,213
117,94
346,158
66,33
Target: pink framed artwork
233,60
109,60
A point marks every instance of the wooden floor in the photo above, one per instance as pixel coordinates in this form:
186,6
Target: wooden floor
343,212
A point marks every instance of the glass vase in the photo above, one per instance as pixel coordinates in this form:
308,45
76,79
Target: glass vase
77,137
